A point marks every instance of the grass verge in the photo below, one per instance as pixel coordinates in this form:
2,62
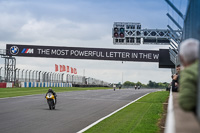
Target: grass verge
139,117
13,92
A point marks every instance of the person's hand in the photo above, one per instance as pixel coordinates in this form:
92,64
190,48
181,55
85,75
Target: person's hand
175,77
176,84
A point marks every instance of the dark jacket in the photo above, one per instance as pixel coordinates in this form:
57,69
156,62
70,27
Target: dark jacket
51,92
175,88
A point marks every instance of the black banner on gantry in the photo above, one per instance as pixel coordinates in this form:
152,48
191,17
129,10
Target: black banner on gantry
82,53
164,59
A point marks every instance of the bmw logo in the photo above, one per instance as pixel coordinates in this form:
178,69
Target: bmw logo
14,50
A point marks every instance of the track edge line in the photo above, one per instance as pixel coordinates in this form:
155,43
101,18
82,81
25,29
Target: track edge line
96,122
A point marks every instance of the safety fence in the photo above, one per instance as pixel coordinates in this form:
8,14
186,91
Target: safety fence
34,78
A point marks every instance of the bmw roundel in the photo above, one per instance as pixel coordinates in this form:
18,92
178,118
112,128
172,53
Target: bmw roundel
14,50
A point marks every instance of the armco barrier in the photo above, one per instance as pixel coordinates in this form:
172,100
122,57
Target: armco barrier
9,85
29,84
25,84
2,85
70,85
49,84
52,84
22,84
38,84
6,85
43,84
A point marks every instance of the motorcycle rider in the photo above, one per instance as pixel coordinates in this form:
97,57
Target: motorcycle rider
114,87
135,87
120,87
51,91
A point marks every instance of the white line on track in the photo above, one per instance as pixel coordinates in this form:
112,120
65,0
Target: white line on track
96,122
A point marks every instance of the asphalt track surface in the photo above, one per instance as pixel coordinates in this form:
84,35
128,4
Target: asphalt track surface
74,110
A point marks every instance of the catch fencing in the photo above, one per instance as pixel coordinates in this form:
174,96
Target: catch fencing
34,78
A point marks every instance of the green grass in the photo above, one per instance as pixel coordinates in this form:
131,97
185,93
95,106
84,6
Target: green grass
13,92
139,117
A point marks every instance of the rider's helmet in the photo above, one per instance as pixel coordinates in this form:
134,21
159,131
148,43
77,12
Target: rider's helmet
50,89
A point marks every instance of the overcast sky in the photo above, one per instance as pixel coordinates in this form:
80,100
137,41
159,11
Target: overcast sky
84,23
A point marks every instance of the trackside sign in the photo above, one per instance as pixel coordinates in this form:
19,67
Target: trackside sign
82,53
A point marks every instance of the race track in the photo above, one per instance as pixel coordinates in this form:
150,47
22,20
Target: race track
74,111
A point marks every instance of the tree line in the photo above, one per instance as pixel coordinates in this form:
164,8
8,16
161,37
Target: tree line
150,84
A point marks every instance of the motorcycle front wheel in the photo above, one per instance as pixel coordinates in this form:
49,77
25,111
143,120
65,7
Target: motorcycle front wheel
50,107
50,104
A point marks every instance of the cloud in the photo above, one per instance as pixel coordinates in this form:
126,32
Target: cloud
81,24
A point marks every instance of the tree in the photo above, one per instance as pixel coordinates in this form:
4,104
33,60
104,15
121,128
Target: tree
151,84
128,83
139,83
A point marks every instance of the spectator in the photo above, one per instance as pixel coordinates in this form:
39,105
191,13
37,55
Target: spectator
189,75
175,79
169,85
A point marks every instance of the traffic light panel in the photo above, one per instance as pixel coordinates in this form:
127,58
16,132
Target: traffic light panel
121,32
118,32
126,33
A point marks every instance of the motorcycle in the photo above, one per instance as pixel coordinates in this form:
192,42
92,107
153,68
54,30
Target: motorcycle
50,100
